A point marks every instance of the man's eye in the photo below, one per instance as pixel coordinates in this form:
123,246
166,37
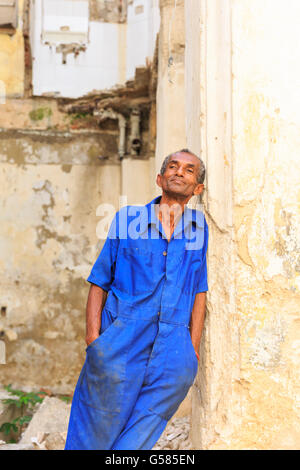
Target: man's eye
191,171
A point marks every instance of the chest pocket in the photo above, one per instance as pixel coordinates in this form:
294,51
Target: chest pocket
135,269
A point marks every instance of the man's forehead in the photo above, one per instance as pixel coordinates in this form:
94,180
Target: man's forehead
185,158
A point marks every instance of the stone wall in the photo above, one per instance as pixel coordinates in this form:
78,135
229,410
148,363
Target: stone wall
266,127
171,134
242,94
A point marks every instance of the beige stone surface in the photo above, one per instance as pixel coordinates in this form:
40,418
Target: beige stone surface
244,94
171,134
48,245
135,180
51,418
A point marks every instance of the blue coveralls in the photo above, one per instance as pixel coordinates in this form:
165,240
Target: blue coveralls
140,368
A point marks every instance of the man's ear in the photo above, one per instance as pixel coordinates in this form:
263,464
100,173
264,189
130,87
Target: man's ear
198,189
158,180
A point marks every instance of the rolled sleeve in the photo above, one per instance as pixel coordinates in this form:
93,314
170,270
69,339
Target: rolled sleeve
102,273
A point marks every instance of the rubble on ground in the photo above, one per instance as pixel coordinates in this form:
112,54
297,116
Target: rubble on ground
175,436
51,419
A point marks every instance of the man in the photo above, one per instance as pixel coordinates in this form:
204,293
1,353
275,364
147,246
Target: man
141,366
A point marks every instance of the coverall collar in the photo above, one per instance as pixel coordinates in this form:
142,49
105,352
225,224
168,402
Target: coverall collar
189,216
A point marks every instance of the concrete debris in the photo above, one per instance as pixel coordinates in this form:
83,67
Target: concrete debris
175,436
50,420
120,98
50,441
56,441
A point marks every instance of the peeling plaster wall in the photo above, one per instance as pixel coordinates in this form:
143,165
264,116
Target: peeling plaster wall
171,134
266,129
48,244
208,124
242,77
53,177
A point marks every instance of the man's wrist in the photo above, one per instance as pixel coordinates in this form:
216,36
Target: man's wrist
196,346
89,337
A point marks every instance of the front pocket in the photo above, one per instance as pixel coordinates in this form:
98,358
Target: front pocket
102,335
103,380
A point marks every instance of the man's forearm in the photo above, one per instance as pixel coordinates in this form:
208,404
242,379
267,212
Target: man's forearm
197,319
96,300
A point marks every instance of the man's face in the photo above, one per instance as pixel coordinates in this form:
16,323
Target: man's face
180,177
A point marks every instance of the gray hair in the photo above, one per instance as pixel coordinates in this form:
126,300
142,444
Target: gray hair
201,173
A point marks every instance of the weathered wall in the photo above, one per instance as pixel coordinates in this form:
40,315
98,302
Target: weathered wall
57,165
208,120
56,168
171,134
243,93
266,129
52,183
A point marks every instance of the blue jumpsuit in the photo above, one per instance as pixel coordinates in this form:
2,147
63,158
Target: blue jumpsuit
140,368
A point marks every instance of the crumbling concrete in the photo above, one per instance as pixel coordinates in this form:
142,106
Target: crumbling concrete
176,436
51,419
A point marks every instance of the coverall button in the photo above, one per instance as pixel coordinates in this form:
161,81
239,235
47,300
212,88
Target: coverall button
165,253
158,313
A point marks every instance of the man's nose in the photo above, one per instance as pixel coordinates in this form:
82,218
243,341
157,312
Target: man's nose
179,171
